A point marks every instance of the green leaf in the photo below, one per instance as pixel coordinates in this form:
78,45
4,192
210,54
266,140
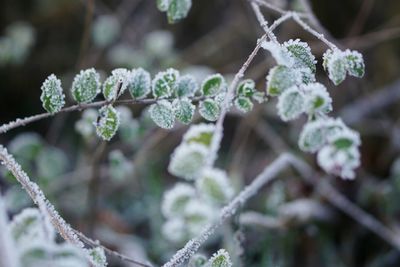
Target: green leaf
186,86
98,256
243,104
355,63
291,104
86,86
246,88
107,123
335,64
301,53
52,96
220,259
164,82
139,84
214,185
183,110
213,85
162,5
162,114
281,78
200,134
178,9
209,109
116,84
197,260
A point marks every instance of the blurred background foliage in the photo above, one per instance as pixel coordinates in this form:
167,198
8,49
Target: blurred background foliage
113,191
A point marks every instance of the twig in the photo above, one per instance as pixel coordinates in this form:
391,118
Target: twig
263,22
8,256
22,122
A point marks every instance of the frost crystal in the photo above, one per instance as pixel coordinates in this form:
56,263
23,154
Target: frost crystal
107,123
246,88
162,113
317,99
139,83
243,104
291,104
188,160
341,162
213,85
183,110
197,215
209,109
164,83
116,84
281,78
86,86
175,200
186,86
214,185
301,53
279,53
220,259
98,256
200,134
52,96
355,63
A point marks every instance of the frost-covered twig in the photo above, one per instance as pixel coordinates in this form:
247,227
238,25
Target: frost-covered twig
8,256
24,121
229,210
263,22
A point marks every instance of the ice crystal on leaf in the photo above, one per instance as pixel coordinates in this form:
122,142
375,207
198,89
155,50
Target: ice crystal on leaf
107,123
220,259
341,162
175,199
200,134
214,185
116,84
162,113
186,86
209,109
243,104
197,215
281,78
301,54
164,83
98,256
139,83
183,110
317,98
246,88
188,160
291,104
213,85
86,86
52,96
279,53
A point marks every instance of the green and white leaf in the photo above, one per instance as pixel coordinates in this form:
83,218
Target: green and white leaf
214,185
52,96
244,104
162,113
301,53
317,99
209,109
107,123
116,84
220,259
139,83
355,63
86,86
291,104
175,200
213,85
281,78
164,83
183,110
199,134
178,9
186,86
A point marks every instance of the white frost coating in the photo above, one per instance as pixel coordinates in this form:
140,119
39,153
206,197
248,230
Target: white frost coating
291,104
213,84
108,122
38,197
98,256
352,136
301,54
317,98
187,160
139,83
8,251
174,230
339,162
162,113
279,53
183,110
164,83
175,199
86,86
214,185
186,86
196,133
116,84
52,96
220,259
197,215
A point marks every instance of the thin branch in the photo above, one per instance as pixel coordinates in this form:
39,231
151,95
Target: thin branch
263,22
24,121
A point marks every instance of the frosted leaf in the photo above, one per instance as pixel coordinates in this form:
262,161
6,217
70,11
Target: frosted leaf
281,78
279,53
341,162
301,53
200,134
197,215
213,85
307,76
107,123
175,200
214,185
183,110
84,126
116,84
197,260
175,230
28,225
243,104
355,63
315,133
326,58
51,162
139,83
246,88
164,83
220,259
260,97
178,9
98,256
52,96
209,109
344,139
162,113
188,160
317,98
162,5
291,104
186,86
86,86
106,29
